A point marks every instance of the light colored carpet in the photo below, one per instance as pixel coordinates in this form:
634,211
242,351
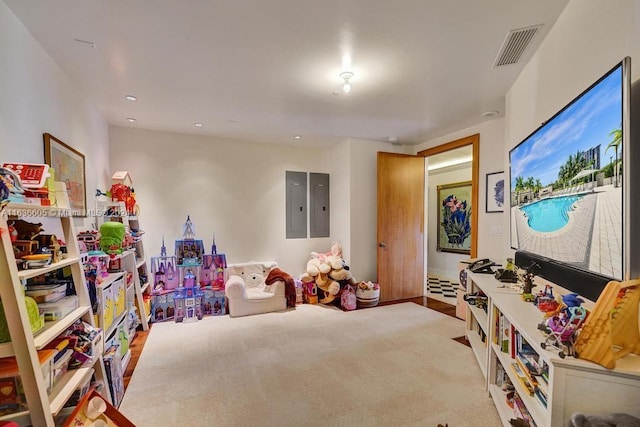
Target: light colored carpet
312,365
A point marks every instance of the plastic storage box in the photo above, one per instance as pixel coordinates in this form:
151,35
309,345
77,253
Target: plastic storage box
57,310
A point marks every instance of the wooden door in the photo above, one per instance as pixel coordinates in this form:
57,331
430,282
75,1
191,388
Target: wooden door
400,226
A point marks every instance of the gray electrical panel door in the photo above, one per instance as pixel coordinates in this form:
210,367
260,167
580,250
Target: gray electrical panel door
296,183
319,205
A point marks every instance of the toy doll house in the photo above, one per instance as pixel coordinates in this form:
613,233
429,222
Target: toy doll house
189,251
213,271
188,304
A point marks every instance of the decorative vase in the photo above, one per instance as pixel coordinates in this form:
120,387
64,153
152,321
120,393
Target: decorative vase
367,297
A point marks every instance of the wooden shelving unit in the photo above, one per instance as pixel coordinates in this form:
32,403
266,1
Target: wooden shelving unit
24,344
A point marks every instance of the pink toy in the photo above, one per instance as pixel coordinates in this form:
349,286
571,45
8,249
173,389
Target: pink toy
562,328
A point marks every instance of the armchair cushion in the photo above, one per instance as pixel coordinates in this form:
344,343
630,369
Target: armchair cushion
249,294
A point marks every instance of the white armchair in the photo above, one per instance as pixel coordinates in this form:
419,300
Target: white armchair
247,292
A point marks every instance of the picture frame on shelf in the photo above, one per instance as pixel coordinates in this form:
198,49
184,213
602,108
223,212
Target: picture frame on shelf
454,218
69,167
495,192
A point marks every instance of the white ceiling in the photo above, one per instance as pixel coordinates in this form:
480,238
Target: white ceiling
266,70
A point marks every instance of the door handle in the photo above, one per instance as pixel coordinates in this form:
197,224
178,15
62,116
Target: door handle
382,244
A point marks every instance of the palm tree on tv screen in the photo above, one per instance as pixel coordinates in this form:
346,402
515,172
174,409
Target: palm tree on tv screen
616,134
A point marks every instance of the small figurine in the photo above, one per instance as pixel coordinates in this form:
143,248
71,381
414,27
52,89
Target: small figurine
528,281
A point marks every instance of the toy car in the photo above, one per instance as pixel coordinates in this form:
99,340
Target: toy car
478,299
528,297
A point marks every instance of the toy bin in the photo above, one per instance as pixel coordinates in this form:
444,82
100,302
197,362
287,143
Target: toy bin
57,310
119,291
36,319
46,293
106,310
12,398
146,300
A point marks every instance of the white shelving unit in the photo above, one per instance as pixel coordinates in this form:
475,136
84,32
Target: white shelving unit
477,319
24,344
574,385
137,263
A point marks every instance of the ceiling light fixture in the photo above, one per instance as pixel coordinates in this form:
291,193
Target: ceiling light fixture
489,114
130,98
297,137
346,76
198,125
131,120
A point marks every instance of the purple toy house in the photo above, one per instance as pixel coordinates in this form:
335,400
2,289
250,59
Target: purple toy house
188,304
213,273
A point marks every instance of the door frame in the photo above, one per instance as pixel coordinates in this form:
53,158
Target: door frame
474,141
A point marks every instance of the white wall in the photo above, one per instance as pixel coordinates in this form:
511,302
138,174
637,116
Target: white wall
235,189
588,39
37,97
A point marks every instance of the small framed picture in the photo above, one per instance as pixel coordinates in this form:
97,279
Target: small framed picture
495,192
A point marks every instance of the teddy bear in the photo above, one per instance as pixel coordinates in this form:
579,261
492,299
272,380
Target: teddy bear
327,271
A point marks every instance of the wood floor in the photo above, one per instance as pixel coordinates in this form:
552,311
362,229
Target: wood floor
141,336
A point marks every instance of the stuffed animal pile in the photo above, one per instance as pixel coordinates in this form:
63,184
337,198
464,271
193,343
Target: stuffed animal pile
329,273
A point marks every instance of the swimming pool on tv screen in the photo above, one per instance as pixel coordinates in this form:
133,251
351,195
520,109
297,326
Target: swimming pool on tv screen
550,214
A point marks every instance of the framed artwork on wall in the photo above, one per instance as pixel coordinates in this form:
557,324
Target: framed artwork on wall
495,192
454,218
69,167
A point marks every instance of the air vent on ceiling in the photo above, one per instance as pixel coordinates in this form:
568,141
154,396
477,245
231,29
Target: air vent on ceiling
515,44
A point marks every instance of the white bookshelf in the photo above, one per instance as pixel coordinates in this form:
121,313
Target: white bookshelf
574,385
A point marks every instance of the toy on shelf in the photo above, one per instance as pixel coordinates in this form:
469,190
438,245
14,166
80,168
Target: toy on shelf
562,330
88,241
527,278
33,178
11,189
546,302
112,237
611,332
479,299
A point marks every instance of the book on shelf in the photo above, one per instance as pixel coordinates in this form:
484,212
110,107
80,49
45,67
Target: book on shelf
521,410
496,325
542,397
522,378
505,335
526,369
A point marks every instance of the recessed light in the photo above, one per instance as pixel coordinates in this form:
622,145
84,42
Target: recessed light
130,98
297,137
492,113
131,120
198,125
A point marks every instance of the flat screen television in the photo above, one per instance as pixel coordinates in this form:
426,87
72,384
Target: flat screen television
569,207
